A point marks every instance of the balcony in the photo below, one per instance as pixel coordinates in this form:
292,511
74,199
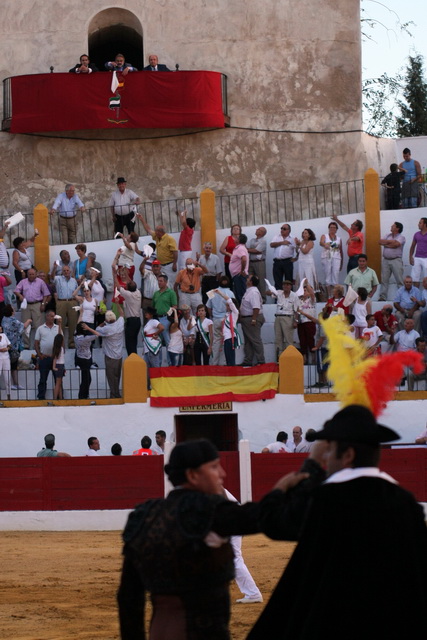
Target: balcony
84,105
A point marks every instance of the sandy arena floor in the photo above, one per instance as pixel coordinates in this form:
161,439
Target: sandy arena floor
62,586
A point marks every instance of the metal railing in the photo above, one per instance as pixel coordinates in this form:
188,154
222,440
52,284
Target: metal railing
29,379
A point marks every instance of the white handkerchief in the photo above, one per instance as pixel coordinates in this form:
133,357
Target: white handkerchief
117,235
24,304
211,294
350,297
300,291
148,251
270,287
15,219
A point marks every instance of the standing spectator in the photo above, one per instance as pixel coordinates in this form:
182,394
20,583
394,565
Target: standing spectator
132,308
420,346
305,248
123,203
163,300
51,303
423,304
65,285
48,451
185,238
230,334
405,339
43,344
407,303
5,361
283,258
285,317
187,324
298,444
20,259
355,241
14,329
204,336
252,319
228,245
257,249
5,281
419,246
363,276
392,183
112,333
64,261
331,256
166,249
83,262
176,343
307,321
217,309
88,306
145,449
4,256
126,253
159,447
67,204
151,335
213,270
239,267
94,447
58,366
188,284
149,281
361,308
412,171
83,341
392,263
279,446
36,294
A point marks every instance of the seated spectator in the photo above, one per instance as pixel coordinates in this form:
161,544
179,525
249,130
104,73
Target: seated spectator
48,451
5,361
187,324
84,66
20,259
279,446
407,303
83,341
116,449
363,276
64,261
153,64
14,329
386,321
204,337
372,336
405,339
188,284
36,295
185,238
43,344
93,447
420,346
145,447
335,303
119,64
213,270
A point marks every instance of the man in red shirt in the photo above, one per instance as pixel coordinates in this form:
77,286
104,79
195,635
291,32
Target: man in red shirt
185,238
386,321
355,241
145,448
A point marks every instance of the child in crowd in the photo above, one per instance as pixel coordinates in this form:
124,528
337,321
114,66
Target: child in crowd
185,238
392,185
372,336
176,344
204,336
361,308
58,366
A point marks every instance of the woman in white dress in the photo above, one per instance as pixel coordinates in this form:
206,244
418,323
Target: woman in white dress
331,256
306,268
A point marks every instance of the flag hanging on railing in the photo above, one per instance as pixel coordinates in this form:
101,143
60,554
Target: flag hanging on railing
191,386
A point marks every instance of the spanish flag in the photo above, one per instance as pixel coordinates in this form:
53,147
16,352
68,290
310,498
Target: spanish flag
191,386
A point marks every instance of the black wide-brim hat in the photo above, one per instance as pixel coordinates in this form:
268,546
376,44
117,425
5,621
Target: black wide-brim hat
355,424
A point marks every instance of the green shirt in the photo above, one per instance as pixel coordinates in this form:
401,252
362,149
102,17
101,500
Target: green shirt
367,279
164,300
47,453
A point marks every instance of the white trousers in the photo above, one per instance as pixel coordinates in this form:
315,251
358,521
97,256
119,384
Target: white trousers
5,372
244,580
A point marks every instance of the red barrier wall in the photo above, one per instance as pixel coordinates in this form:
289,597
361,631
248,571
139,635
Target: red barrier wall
407,466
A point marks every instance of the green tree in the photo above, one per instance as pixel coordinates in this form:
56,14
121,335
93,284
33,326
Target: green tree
380,100
413,118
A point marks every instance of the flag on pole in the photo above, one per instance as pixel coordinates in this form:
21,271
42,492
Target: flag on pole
115,102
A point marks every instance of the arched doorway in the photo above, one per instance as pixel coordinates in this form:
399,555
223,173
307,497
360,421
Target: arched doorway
115,31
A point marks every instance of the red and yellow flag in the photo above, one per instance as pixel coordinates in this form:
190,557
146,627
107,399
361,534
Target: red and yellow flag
191,386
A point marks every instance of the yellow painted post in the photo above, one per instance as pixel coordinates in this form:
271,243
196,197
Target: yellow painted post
41,244
208,218
134,379
372,220
291,371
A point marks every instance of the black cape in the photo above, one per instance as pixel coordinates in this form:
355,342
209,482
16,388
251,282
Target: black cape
359,570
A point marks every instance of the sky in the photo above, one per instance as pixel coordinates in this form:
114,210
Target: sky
389,50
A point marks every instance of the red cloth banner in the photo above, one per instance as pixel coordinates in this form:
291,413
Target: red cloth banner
148,100
192,386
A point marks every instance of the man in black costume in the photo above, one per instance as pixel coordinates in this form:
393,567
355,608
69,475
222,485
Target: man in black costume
176,548
360,567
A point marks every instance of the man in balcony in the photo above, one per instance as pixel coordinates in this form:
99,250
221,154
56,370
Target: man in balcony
66,204
123,203
119,64
84,66
153,64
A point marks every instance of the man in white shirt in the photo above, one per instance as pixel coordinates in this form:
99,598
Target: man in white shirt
94,446
298,444
159,447
112,333
405,339
257,249
283,257
279,446
123,203
252,319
